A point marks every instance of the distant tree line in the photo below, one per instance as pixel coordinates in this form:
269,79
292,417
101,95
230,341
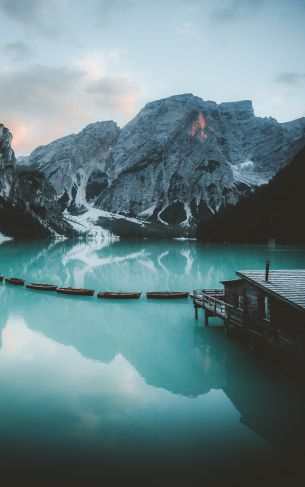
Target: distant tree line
274,211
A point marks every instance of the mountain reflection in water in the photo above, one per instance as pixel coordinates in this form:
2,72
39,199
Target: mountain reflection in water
140,383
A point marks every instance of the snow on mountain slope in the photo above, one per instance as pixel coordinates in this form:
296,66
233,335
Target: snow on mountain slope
180,160
68,162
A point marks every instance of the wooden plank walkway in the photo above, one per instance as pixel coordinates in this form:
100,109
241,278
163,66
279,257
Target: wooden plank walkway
207,299
213,303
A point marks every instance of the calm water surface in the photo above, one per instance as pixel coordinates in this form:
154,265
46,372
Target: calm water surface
139,388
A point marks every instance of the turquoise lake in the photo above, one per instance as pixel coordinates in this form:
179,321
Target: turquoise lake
140,387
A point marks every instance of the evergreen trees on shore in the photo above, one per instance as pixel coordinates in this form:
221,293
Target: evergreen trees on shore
274,211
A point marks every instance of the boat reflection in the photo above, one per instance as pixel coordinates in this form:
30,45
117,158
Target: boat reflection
114,363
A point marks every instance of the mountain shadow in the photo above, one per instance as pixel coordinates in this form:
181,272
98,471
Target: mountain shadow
273,211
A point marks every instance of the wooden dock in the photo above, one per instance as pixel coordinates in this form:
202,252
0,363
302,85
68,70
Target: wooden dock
213,303
265,307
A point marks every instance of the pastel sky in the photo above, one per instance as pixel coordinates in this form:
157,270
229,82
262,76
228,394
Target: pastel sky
67,63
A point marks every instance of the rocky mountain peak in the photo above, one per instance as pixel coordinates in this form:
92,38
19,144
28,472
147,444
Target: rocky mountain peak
68,162
23,195
242,105
7,162
100,130
178,161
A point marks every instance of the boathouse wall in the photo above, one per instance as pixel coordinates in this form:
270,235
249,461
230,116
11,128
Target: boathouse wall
233,291
268,321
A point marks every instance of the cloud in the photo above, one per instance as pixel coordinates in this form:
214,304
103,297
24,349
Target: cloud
37,86
184,21
18,51
41,103
106,10
291,79
118,93
231,10
93,63
36,16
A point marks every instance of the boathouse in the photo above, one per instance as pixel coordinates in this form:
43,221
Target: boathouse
267,307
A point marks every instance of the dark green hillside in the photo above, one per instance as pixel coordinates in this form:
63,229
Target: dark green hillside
274,211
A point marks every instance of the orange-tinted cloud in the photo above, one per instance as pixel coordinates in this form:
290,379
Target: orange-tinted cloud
42,103
114,92
32,133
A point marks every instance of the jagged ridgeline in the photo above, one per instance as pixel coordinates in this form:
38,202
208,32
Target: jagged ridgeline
274,211
22,196
179,161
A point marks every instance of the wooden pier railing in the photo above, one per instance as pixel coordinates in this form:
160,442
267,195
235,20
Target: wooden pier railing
212,301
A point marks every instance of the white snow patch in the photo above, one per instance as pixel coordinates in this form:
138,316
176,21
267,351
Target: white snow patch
6,188
159,217
57,236
4,238
245,173
80,198
87,223
186,222
149,211
246,164
182,239
218,206
210,208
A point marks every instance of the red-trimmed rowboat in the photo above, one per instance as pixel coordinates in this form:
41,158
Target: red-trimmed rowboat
14,280
74,291
118,295
41,287
168,295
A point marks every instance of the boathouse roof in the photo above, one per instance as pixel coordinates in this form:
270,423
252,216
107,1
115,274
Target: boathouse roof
287,285
231,281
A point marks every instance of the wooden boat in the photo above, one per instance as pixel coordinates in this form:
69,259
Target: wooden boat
41,287
118,295
74,291
14,280
168,295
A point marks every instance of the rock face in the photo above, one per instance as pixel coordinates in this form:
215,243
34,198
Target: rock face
23,193
63,177
178,161
67,163
7,162
168,165
181,158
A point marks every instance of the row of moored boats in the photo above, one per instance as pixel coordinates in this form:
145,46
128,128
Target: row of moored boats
90,292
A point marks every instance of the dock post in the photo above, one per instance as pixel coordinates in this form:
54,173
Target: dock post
196,312
227,328
206,317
